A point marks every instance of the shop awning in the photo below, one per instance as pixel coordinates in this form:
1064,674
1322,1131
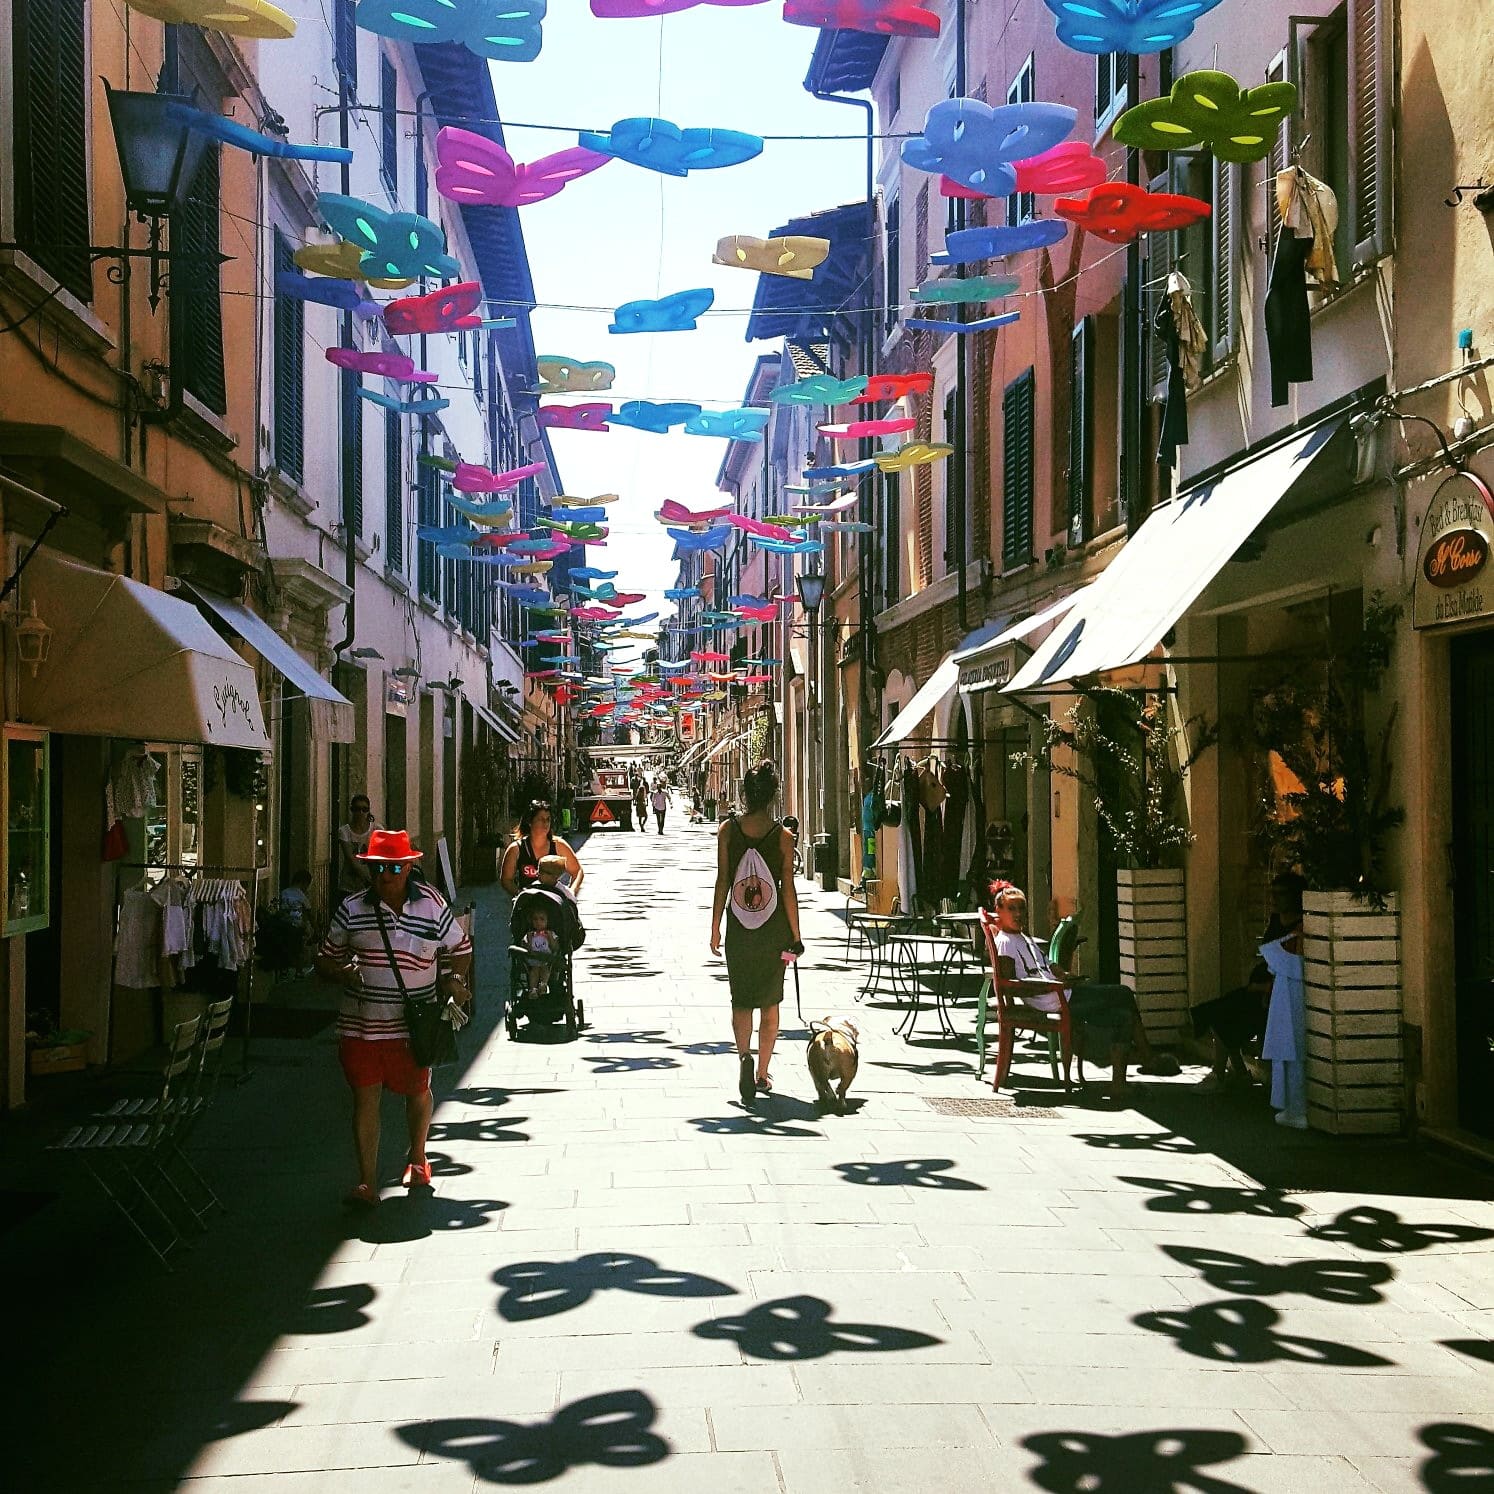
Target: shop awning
129,661
989,665
725,746
1165,566
494,721
331,711
940,684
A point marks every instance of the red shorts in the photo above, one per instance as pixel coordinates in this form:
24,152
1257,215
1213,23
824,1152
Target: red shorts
388,1062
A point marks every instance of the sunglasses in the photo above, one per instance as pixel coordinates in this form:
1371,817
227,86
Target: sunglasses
387,868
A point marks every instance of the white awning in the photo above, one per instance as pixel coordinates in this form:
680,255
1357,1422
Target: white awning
130,661
332,712
493,721
939,685
725,746
1165,566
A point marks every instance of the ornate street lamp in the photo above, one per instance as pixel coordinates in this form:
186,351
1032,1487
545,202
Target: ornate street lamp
811,587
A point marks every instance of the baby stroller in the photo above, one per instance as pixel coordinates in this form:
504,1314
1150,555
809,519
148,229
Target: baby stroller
558,1001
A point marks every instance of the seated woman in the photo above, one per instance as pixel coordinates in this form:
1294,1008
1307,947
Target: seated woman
1108,1012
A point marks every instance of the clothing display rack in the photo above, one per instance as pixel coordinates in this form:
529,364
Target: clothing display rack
194,871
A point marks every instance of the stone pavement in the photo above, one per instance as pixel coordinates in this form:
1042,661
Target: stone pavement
623,1281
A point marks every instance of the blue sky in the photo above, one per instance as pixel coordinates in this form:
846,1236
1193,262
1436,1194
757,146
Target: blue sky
623,233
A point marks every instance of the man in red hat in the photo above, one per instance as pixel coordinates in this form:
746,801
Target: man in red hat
432,952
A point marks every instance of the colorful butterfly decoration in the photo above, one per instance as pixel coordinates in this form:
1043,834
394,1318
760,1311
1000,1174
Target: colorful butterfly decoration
588,417
339,294
660,145
975,288
395,245
398,366
558,375
425,406
1103,26
964,245
647,415
252,18
855,429
1209,109
819,389
978,146
734,425
882,387
914,454
794,256
500,30
1119,211
672,313
470,478
877,17
473,169
449,309
980,324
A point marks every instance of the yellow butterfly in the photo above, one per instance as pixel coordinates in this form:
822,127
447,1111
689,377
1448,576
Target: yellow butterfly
794,256
340,261
256,18
570,376
913,454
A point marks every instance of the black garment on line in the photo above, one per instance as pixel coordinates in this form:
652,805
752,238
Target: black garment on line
1288,322
957,796
1175,410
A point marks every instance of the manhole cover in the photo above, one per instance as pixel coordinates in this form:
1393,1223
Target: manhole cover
957,1105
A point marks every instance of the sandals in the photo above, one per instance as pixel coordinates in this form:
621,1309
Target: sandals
361,1197
765,1085
416,1175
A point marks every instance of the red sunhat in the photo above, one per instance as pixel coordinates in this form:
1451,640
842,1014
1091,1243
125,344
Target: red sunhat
390,845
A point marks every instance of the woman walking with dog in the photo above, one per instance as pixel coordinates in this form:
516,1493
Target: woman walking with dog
755,890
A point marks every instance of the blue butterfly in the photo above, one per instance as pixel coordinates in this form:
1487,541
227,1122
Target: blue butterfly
978,146
495,508
344,295
819,389
687,540
787,547
425,406
396,246
578,515
590,573
647,415
660,145
735,425
966,245
446,534
983,324
681,593
1101,26
672,313
501,30
845,469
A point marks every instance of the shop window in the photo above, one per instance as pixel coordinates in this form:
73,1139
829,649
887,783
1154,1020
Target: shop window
389,125
173,825
49,147
290,371
28,820
1021,207
1017,470
1007,786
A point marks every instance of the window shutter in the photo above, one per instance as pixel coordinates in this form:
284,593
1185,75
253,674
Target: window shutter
1276,162
195,294
1222,302
1369,127
978,435
1082,433
394,492
389,124
1016,506
290,377
892,293
345,44
923,491
952,472
50,142
920,235
426,500
352,452
1160,251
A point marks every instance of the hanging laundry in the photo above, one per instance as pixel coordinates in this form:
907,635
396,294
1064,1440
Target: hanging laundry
1184,342
134,784
1309,208
1288,321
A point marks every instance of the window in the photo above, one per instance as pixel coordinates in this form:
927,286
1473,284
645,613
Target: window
195,295
394,492
50,141
1082,433
427,503
954,486
1017,477
345,44
1021,207
891,294
1225,191
389,125
290,371
352,450
1110,87
895,97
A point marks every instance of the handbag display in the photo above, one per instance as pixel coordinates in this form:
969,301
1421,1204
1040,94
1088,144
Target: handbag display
432,1032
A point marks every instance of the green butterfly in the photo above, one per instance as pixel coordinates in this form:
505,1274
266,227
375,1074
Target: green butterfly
1208,108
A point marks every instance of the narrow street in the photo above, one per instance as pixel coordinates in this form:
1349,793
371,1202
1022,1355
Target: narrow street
623,1281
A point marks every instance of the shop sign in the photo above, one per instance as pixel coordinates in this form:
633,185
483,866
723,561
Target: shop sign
1454,583
988,670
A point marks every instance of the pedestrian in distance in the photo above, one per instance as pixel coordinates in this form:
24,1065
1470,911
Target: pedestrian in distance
396,941
352,841
640,804
660,802
755,892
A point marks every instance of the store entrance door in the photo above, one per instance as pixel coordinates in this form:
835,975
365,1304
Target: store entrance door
1473,869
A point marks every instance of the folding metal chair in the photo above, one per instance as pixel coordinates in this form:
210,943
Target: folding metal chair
118,1153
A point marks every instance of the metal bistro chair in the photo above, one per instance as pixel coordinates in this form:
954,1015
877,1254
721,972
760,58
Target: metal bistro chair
858,918
1014,1015
119,1153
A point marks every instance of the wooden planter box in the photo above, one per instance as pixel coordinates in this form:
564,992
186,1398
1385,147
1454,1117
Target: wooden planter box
1153,918
1351,956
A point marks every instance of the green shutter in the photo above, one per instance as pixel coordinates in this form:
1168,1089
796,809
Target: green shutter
389,124
1016,507
1082,433
345,43
195,294
50,141
394,492
352,452
290,371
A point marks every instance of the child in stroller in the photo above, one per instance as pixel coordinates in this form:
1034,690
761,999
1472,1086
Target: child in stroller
544,930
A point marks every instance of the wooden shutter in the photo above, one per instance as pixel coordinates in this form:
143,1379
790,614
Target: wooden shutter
290,371
923,491
394,492
345,44
49,152
1223,299
1370,164
426,500
1161,251
978,437
920,235
389,124
1016,458
892,538
1082,433
952,471
195,294
352,452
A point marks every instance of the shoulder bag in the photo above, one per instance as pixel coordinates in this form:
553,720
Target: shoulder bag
432,1035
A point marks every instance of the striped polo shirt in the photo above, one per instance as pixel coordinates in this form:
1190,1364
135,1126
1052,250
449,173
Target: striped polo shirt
419,936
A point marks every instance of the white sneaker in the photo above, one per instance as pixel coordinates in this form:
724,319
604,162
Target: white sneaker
1296,1122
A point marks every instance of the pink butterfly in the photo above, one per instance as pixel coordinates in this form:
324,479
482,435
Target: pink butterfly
398,366
475,169
895,426
673,512
470,478
1070,166
758,527
588,417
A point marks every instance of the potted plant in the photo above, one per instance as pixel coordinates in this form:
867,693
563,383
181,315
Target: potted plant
1134,760
1325,808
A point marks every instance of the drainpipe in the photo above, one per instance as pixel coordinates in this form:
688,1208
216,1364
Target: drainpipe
350,554
1132,395
962,349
